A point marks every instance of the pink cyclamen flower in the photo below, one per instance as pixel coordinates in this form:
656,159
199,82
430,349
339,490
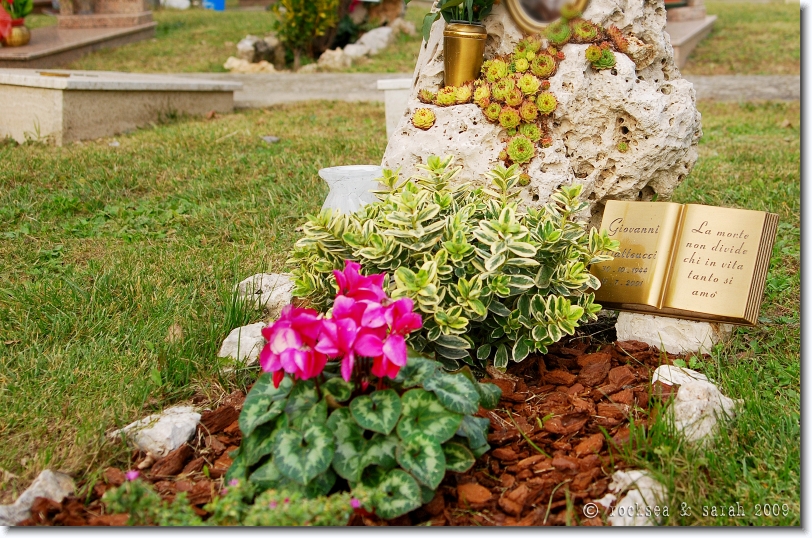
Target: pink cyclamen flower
401,317
291,345
233,482
131,475
272,504
355,503
353,284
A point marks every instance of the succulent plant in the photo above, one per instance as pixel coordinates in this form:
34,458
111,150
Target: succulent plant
593,53
546,102
528,111
543,66
528,84
606,61
520,149
533,43
622,147
502,88
482,95
545,85
509,117
570,11
426,96
546,142
584,31
558,33
515,97
524,180
464,93
521,49
619,40
423,118
503,156
495,69
447,96
492,111
521,65
531,131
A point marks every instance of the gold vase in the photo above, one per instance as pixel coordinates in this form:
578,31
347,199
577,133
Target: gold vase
19,36
464,51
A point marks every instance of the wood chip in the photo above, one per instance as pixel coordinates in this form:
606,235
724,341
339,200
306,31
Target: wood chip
473,493
590,445
174,462
216,421
621,376
560,377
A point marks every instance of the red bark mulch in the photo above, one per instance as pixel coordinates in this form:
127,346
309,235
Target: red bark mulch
562,402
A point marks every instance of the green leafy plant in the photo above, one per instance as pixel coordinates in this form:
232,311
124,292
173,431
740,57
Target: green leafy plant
17,9
472,11
393,445
237,504
298,22
493,284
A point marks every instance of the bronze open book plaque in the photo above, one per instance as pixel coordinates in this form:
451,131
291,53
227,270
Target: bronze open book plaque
689,261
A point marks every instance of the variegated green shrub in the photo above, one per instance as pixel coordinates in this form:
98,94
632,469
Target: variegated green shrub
492,282
393,445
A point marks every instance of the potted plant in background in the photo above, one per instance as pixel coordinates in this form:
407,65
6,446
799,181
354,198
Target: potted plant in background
463,38
13,32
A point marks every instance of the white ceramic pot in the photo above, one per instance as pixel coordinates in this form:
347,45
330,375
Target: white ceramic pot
351,186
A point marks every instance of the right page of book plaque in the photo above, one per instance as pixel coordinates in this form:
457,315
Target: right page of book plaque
715,261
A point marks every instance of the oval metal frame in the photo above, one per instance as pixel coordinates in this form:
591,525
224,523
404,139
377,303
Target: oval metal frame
528,24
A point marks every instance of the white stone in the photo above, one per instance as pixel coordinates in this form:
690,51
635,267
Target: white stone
655,104
246,48
673,335
108,80
401,25
52,485
377,39
641,490
162,433
238,65
309,68
698,407
271,291
356,50
334,60
243,344
674,375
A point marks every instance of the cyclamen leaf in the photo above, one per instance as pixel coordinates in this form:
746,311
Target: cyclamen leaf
315,414
321,485
260,442
416,371
456,392
476,430
303,456
396,495
339,389
267,475
380,450
263,403
423,457
489,395
457,457
350,445
302,397
378,412
423,412
238,468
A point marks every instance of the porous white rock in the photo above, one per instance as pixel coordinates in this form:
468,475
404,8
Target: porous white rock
401,25
648,105
162,433
238,65
356,50
698,407
49,484
377,39
271,291
674,375
641,491
671,334
334,59
243,344
246,48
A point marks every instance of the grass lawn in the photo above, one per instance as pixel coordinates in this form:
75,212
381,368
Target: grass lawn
747,39
117,265
750,39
